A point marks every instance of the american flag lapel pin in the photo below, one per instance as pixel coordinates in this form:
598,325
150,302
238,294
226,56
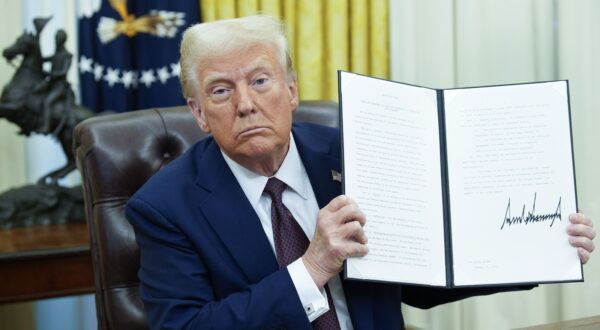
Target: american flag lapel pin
336,176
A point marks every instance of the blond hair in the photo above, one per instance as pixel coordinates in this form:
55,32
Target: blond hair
219,38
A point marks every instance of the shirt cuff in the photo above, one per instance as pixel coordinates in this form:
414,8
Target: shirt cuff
313,300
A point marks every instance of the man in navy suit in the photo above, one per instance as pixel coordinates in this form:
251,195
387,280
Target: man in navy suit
204,223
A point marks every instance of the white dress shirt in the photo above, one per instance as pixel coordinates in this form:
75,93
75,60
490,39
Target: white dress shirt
300,199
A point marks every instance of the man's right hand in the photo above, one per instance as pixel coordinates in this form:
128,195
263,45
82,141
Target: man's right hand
339,235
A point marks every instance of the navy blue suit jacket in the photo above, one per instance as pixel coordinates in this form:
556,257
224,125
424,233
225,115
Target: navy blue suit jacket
205,261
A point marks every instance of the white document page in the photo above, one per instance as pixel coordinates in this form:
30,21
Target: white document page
511,184
392,169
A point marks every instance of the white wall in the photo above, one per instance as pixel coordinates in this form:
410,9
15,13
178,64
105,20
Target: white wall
458,43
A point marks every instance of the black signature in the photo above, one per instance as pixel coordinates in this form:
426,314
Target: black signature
531,216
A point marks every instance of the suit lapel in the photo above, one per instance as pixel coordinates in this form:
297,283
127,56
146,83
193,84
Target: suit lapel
232,217
319,162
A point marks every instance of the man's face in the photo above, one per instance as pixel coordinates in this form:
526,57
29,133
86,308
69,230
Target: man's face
246,101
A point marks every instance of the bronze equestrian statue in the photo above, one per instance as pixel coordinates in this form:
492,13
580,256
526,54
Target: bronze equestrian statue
42,102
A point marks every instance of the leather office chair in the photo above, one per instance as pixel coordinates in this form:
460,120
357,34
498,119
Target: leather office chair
116,154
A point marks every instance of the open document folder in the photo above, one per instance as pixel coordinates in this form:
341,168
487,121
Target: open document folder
460,187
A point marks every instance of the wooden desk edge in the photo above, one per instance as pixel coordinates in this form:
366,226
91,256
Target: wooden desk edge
45,274
44,253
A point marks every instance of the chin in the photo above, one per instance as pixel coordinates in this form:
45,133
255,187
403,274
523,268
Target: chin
261,148
259,151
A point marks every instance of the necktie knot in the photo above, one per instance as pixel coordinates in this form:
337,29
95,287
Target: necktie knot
275,188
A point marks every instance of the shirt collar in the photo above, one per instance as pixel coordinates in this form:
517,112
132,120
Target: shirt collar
291,172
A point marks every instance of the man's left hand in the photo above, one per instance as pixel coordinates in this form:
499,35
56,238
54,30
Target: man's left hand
581,233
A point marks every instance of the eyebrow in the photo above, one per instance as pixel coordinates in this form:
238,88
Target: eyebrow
258,65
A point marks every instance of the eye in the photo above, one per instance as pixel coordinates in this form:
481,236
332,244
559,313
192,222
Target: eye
219,93
260,81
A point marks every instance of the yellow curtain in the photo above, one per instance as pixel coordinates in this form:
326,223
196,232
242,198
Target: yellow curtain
324,36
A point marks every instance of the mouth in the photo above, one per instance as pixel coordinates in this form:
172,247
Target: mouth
252,130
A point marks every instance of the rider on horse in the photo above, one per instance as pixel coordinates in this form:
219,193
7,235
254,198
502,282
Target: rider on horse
39,101
59,87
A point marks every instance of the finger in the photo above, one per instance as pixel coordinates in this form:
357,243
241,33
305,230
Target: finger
584,255
353,230
354,249
346,213
338,202
579,218
582,242
351,212
581,230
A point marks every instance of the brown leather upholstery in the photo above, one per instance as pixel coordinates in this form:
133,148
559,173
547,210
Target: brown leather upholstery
116,154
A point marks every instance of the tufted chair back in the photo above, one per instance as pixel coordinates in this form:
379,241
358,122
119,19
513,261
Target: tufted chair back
116,154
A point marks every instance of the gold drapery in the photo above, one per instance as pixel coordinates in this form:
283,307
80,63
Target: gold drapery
324,36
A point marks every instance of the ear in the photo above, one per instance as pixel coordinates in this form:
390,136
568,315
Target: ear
194,107
293,90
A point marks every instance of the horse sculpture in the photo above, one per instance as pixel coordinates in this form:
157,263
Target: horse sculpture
23,104
25,101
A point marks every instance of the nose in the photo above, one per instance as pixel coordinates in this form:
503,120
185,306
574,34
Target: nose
245,104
